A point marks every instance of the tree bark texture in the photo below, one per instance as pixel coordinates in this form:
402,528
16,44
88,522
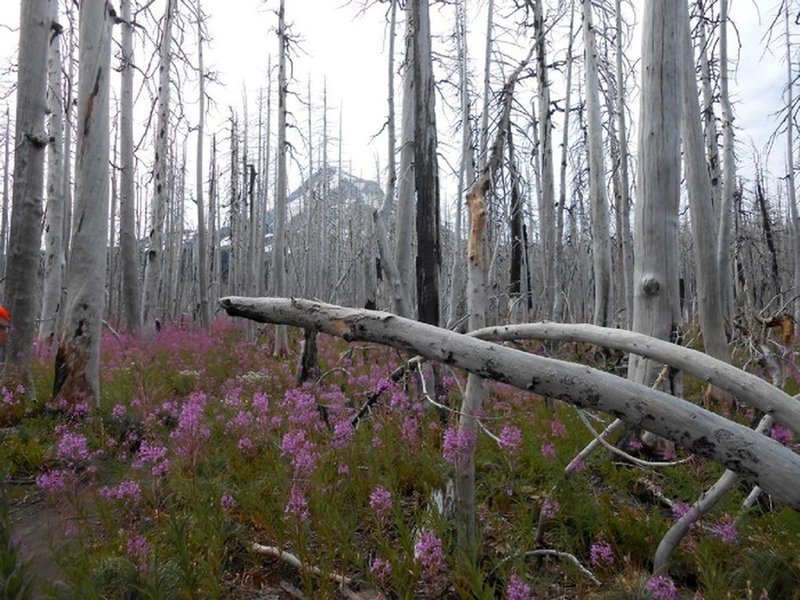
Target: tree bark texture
27,200
77,376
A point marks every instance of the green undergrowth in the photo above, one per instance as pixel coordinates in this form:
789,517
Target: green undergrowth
204,445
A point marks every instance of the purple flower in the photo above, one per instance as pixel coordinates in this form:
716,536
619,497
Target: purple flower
227,502
54,481
155,456
511,438
380,501
125,490
138,549
382,569
550,508
301,451
457,444
73,449
782,435
428,552
601,554
662,588
118,412
725,530
343,432
518,589
297,505
548,450
557,429
679,509
245,445
191,434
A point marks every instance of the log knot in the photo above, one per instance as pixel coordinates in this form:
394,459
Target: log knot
650,285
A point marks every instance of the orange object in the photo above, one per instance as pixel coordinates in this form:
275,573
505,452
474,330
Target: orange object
4,314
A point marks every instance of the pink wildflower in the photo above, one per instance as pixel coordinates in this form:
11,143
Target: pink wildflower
511,438
662,588
457,444
380,501
518,589
601,553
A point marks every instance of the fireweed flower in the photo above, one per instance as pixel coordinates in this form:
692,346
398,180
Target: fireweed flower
118,412
227,502
511,438
679,509
518,589
54,481
192,432
297,505
382,569
557,429
550,508
301,451
138,549
429,554
153,456
343,432
457,444
725,531
380,501
601,554
125,490
301,407
73,448
782,435
548,450
662,588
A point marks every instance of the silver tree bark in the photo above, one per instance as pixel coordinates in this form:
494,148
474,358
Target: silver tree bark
757,457
152,273
27,201
729,168
790,178
129,244
77,376
601,248
404,224
279,240
704,224
655,299
54,218
202,243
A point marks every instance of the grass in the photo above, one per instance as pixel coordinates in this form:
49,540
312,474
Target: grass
203,445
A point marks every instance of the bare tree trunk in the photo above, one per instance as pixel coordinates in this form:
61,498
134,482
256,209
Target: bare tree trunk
262,270
152,274
476,392
624,199
487,69
128,239
54,218
790,179
279,241
466,169
202,250
729,172
426,169
558,292
26,213
404,227
548,199
6,202
77,369
656,266
700,205
601,249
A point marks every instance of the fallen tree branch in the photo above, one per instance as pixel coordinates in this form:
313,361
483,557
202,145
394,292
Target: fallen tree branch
747,388
291,559
568,557
760,459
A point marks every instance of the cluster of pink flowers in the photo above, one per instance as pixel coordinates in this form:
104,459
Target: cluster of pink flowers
73,449
601,554
457,444
511,438
725,531
227,502
55,481
380,501
153,456
550,508
302,452
382,569
297,504
782,435
138,550
192,432
662,588
127,489
518,589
